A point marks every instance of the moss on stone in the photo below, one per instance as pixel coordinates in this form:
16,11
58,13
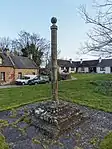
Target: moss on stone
3,123
3,144
35,141
26,110
58,143
19,120
78,147
94,141
22,130
14,113
27,120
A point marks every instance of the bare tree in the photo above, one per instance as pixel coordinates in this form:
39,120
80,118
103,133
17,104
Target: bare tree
24,39
27,44
5,43
100,37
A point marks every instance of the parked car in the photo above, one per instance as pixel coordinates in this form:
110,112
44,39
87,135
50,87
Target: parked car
39,80
25,79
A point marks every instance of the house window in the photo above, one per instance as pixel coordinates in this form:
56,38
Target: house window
62,68
19,75
72,68
2,76
82,68
102,68
0,60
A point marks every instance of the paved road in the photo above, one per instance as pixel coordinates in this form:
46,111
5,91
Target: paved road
9,86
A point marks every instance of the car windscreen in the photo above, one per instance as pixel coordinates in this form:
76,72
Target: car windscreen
36,78
25,78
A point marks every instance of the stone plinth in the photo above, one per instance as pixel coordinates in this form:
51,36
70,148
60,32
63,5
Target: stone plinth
53,120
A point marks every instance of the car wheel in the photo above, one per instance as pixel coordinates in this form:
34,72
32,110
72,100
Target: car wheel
23,83
36,83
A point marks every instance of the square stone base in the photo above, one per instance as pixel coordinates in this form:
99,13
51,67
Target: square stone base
53,120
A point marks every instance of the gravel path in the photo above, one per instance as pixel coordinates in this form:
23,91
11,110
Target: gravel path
85,136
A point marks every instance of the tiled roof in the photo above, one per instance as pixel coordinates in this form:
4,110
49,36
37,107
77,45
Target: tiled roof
23,62
67,63
90,63
105,63
19,62
6,60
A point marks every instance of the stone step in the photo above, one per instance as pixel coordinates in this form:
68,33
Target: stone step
62,121
58,130
59,119
54,121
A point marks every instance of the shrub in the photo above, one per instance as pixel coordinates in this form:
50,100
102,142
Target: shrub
103,87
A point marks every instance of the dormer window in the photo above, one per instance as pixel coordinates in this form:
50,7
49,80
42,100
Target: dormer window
1,60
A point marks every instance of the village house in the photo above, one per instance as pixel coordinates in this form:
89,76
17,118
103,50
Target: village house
13,67
104,66
88,66
68,66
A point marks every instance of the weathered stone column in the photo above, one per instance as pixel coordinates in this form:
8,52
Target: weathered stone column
54,77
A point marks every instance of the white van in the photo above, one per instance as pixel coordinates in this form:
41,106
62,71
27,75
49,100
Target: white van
24,80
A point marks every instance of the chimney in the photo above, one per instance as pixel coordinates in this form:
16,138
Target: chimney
31,56
70,61
100,59
81,61
6,52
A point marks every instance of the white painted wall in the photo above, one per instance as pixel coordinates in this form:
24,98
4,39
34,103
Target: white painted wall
60,70
86,69
79,69
70,71
107,70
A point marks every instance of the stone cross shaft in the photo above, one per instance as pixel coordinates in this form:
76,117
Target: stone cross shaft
54,77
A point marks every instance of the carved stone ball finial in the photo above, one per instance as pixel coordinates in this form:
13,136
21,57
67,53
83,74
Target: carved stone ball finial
53,20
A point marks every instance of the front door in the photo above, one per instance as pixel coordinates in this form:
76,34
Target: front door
67,69
2,75
111,69
92,69
19,75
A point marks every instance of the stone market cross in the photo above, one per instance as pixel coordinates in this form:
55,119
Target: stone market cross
53,118
54,78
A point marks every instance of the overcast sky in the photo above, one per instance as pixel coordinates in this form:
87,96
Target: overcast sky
35,15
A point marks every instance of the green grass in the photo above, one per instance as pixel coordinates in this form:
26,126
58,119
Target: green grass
79,91
107,142
93,76
14,97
